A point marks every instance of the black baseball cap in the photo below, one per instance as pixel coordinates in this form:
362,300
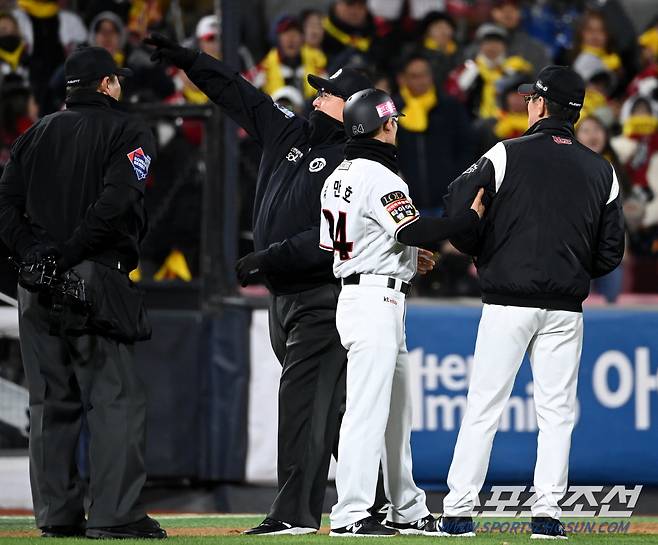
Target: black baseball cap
87,64
343,83
559,84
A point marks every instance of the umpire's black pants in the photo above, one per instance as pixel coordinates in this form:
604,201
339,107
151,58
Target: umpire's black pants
311,394
66,376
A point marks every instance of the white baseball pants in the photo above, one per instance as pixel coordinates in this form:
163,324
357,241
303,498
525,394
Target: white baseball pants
377,422
553,340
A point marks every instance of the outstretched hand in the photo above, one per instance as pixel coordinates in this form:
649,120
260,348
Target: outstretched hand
169,52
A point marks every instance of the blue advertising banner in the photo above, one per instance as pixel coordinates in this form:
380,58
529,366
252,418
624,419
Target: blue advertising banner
616,435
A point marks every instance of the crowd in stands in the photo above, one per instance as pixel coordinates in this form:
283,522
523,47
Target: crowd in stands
452,67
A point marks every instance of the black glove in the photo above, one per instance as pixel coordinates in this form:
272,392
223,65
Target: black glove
250,268
40,251
170,52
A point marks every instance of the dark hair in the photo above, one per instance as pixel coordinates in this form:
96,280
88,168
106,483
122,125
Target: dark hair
306,13
561,112
434,17
88,85
414,55
610,45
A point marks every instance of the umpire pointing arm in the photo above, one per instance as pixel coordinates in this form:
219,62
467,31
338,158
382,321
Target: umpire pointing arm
298,154
554,222
73,191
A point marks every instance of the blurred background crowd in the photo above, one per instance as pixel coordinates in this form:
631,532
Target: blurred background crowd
452,66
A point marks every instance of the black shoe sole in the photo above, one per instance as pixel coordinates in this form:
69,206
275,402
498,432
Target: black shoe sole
106,534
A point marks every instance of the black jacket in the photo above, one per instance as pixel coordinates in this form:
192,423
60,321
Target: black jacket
297,157
553,222
76,180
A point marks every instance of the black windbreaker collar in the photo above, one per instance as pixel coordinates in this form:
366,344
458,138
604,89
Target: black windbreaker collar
375,150
325,130
552,125
85,97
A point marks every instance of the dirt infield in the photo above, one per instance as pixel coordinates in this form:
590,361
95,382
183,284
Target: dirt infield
635,528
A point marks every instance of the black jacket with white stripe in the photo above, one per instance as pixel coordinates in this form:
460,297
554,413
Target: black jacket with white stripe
553,221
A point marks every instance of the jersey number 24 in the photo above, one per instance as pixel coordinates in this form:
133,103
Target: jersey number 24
338,233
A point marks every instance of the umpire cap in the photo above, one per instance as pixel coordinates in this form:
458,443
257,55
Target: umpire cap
366,111
343,83
87,64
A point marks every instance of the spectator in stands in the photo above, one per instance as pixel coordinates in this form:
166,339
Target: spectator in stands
50,33
637,149
13,54
474,82
349,31
601,83
18,111
594,134
108,31
311,20
434,136
288,63
511,119
593,38
646,81
507,14
438,44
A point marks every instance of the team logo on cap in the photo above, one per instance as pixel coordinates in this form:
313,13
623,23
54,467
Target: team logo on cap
140,162
386,108
358,129
336,73
541,85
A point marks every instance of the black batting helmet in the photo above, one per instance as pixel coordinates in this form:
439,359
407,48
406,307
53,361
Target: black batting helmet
366,111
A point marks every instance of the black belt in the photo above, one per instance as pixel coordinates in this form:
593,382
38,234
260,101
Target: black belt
356,279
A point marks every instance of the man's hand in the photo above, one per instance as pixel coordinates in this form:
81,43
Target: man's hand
170,52
41,251
426,261
249,269
477,203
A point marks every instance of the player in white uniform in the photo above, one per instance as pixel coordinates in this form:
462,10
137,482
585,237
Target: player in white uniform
372,227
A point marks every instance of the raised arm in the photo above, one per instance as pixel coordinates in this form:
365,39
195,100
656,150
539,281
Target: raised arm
249,107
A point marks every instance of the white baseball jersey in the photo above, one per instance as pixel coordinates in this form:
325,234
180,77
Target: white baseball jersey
364,205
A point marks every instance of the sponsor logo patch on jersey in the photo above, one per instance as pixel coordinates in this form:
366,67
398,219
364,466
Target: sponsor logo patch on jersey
386,108
317,164
560,140
140,162
398,206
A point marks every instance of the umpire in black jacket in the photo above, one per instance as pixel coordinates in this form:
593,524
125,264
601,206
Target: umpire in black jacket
554,222
298,155
74,191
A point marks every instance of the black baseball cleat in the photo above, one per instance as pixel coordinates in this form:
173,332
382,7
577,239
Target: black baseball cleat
547,528
453,527
420,527
271,527
367,527
63,531
146,528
